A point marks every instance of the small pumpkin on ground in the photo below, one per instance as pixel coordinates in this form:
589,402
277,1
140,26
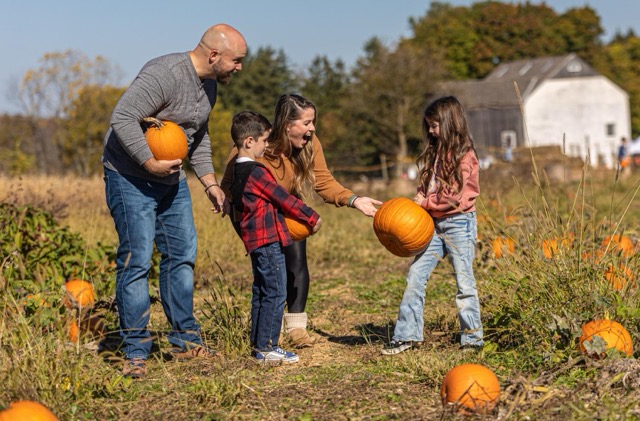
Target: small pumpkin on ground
501,246
27,411
602,334
79,294
471,387
618,243
619,276
403,227
166,139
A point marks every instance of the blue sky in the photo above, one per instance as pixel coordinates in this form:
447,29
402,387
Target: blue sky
130,32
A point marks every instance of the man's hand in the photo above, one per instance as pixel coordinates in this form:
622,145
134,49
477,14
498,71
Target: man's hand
162,168
216,196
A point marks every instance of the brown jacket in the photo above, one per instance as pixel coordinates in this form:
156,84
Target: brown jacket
326,186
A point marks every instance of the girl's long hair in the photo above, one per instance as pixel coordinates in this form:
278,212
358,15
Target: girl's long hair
450,148
288,109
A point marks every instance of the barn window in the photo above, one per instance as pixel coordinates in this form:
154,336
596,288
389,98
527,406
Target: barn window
611,129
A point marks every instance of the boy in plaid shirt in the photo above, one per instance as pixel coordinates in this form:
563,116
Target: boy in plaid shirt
259,205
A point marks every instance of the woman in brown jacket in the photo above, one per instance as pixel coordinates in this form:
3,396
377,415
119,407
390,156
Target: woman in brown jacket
295,158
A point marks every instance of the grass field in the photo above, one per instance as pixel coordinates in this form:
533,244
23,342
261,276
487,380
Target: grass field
532,309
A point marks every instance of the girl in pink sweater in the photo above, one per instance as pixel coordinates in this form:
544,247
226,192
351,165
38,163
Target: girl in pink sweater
448,190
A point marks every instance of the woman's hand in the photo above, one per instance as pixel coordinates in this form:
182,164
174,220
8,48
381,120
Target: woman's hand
367,205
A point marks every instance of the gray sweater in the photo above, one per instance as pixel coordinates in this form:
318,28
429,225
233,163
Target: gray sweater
167,88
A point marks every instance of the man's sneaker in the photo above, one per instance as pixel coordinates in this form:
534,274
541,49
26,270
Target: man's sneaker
134,368
396,347
198,351
275,355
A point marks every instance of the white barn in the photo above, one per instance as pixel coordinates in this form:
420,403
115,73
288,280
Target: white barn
565,102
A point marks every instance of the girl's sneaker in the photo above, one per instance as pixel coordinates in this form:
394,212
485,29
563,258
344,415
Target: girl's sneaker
275,355
396,347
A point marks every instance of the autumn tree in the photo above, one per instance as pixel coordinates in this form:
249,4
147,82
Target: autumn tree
473,40
326,83
264,76
388,93
82,130
50,91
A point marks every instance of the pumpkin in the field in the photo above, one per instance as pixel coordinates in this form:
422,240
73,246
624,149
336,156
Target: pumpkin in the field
403,227
554,246
166,139
27,411
501,246
619,276
298,230
79,294
602,334
471,387
618,243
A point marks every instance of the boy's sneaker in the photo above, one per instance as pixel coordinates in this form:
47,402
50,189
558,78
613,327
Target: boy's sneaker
134,368
198,351
276,355
396,347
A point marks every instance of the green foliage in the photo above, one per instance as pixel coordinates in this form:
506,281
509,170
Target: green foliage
473,40
264,76
38,256
81,134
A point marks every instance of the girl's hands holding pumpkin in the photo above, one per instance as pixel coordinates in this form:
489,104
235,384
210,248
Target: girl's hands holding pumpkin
367,205
162,168
419,198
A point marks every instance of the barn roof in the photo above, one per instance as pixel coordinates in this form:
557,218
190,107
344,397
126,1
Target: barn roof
497,89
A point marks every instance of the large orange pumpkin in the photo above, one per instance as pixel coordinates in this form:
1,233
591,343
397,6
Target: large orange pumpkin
298,230
80,294
612,333
27,411
502,245
166,139
471,387
403,227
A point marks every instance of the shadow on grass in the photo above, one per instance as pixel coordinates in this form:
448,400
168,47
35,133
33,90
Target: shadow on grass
369,334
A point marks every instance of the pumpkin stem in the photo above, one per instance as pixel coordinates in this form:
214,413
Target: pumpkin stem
152,121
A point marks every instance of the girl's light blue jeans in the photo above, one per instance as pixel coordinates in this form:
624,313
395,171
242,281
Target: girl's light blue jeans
455,236
145,212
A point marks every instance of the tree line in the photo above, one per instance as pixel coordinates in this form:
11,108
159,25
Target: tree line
368,114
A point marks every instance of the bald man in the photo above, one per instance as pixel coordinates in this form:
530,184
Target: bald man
149,199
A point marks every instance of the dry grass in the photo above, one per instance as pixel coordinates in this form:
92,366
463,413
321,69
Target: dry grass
356,289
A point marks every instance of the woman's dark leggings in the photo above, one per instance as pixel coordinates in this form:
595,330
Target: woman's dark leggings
295,257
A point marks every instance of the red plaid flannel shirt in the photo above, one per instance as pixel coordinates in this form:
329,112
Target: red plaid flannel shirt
264,204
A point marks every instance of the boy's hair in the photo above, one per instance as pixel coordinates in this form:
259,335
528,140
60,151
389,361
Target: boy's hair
248,124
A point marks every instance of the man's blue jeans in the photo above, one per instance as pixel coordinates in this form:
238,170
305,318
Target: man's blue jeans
269,295
144,212
454,236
